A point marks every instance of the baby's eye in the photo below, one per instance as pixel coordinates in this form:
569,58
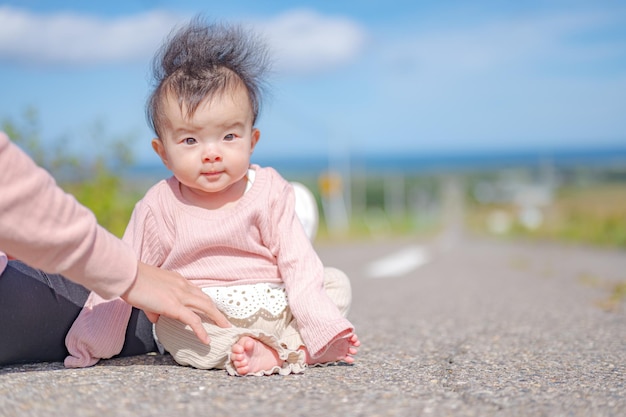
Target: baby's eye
189,141
229,137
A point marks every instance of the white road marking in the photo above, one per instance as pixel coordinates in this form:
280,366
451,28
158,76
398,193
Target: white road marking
398,263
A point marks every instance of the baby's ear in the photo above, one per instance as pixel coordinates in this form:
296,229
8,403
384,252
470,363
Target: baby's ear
157,145
256,135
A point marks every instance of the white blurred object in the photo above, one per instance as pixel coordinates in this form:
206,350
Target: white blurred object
306,209
531,217
399,263
499,222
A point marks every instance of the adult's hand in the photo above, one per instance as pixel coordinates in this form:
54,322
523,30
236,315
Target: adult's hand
160,292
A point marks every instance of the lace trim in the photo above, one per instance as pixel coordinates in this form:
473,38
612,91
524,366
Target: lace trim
244,301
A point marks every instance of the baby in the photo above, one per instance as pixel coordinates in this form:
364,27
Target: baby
226,224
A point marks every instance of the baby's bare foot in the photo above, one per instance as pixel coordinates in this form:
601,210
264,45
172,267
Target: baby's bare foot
341,350
250,355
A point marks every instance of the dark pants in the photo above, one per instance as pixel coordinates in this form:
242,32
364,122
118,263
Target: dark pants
37,310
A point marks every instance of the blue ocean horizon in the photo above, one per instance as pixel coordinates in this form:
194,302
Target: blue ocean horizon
434,163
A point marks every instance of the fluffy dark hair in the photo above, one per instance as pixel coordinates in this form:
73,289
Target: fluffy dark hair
201,60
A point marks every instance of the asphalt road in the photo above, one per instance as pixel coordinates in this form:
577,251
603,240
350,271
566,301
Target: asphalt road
457,328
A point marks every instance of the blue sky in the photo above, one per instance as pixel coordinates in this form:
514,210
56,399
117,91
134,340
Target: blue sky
375,77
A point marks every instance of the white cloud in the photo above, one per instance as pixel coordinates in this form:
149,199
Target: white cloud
518,43
79,40
520,81
304,41
301,41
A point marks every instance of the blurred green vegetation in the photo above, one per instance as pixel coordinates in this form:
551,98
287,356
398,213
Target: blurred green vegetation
382,205
583,206
584,213
588,206
94,179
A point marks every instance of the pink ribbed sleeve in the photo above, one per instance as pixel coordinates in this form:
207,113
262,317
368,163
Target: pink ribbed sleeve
99,330
48,229
319,320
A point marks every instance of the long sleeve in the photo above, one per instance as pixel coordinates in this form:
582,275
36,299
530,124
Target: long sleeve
99,330
48,229
319,320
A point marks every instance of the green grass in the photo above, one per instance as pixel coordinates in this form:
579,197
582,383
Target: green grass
591,215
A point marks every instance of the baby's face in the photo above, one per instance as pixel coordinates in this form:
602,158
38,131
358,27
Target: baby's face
209,152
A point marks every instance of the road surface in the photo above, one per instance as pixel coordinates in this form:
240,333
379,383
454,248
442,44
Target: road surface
468,327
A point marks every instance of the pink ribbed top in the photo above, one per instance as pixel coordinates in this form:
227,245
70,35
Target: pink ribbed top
259,239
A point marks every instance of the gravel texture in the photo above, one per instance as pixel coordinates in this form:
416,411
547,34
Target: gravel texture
487,328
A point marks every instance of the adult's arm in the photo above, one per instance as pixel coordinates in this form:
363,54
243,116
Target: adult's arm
48,229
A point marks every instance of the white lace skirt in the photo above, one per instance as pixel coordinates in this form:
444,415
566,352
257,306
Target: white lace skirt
247,301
